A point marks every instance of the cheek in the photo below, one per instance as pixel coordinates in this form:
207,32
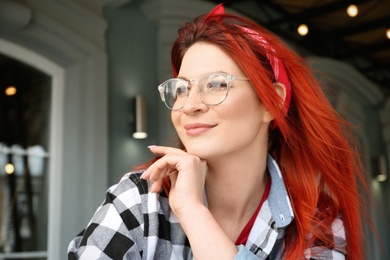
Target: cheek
243,104
247,115
175,119
243,118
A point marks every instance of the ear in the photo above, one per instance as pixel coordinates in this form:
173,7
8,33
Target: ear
281,90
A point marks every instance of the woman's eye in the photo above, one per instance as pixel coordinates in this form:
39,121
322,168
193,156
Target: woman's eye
216,85
181,91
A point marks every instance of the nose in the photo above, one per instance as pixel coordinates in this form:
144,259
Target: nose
193,102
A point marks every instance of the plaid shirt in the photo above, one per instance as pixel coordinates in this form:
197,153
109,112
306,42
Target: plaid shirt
134,223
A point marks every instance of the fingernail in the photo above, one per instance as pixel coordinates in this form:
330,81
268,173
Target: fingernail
151,146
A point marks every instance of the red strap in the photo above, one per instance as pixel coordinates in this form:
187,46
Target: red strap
243,237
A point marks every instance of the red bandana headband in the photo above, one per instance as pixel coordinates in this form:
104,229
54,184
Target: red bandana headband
277,65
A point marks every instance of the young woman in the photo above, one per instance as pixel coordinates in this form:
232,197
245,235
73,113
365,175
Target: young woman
264,169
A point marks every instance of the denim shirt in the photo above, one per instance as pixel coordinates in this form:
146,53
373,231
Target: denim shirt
274,216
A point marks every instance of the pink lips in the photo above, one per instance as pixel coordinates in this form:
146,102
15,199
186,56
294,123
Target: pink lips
197,129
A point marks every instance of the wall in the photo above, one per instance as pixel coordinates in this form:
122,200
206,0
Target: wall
139,40
65,39
131,46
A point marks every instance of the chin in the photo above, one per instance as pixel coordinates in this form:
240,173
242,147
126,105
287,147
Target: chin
202,151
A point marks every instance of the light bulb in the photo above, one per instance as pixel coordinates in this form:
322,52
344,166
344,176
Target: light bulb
10,91
9,168
140,135
352,10
303,29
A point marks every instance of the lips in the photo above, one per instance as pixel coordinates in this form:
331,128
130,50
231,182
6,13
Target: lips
197,128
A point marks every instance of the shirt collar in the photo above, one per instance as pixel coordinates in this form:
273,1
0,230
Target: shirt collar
278,199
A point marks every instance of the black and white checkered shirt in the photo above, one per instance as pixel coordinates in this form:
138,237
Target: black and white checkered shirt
133,223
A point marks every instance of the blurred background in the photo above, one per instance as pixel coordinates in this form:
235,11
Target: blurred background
78,88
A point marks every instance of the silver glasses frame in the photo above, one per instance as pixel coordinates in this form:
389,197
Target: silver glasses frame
228,77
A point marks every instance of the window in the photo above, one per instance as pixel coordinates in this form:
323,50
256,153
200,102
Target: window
25,96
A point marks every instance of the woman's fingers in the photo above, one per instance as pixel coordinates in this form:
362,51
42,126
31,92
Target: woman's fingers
156,170
155,175
162,150
159,168
186,172
157,184
162,168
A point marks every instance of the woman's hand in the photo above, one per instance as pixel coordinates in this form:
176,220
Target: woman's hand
187,174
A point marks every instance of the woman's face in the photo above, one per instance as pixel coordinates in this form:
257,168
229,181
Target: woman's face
239,124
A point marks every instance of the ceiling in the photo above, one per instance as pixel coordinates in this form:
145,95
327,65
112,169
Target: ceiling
360,41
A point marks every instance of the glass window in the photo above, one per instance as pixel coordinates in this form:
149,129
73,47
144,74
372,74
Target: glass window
24,136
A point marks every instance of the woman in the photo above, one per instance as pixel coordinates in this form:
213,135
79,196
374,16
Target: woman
264,169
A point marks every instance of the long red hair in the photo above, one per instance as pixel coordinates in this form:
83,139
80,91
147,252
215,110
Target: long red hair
312,144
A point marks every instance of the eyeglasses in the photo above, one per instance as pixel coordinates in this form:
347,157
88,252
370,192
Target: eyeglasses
213,89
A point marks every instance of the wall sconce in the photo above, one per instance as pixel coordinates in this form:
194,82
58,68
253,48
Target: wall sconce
379,168
140,118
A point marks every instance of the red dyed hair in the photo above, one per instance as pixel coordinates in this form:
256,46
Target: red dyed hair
311,144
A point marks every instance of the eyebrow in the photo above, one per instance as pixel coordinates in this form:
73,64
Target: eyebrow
181,77
219,71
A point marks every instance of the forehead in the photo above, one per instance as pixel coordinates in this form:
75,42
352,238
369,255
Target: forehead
202,58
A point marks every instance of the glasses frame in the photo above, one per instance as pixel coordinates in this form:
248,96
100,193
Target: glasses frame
228,77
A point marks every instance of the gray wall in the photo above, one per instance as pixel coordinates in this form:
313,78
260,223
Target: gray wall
132,71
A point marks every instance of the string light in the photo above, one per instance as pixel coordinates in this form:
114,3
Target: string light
303,29
9,168
388,33
352,10
10,91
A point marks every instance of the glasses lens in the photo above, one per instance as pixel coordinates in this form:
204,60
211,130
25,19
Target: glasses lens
175,93
214,88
